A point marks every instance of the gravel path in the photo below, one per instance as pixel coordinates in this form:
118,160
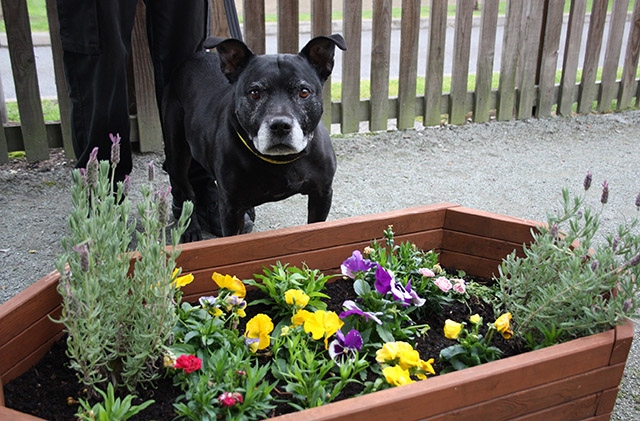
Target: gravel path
516,168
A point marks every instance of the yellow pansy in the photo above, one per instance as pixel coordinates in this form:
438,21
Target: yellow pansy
400,353
452,329
259,327
231,283
322,324
180,281
296,297
396,375
300,317
425,367
475,319
503,325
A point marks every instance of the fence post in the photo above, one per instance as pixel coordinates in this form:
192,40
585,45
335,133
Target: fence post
23,64
254,25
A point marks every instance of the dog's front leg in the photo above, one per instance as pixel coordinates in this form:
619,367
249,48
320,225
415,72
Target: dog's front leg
231,220
319,205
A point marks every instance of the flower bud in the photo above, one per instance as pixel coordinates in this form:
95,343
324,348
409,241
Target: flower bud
638,201
605,193
595,265
587,181
83,253
627,305
115,149
634,260
126,185
152,171
92,169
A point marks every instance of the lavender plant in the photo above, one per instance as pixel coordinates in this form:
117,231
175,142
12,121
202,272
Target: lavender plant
571,282
117,321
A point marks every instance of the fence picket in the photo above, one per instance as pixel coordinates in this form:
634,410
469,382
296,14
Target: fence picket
462,51
435,63
288,20
509,61
352,33
23,64
484,67
409,38
612,54
549,58
590,67
526,77
254,29
64,104
380,60
321,25
630,61
571,57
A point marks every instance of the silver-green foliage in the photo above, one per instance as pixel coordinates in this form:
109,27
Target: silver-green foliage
117,320
570,282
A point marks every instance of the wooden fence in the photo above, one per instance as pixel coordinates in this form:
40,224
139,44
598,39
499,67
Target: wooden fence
598,69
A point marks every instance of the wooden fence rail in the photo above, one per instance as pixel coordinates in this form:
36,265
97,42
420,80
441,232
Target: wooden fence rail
599,43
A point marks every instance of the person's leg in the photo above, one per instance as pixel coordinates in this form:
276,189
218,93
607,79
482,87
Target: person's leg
96,38
176,30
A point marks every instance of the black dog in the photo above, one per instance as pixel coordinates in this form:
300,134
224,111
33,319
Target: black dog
252,122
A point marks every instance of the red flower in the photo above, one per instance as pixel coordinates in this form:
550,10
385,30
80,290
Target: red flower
188,363
229,399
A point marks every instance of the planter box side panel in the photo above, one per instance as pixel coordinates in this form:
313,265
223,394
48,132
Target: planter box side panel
26,332
476,385
561,393
220,252
491,225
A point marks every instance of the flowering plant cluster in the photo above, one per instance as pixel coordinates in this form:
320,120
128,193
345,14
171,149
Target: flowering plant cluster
299,348
117,321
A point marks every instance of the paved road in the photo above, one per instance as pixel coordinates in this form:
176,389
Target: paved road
44,61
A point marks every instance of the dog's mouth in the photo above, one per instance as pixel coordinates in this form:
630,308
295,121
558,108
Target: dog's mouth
280,137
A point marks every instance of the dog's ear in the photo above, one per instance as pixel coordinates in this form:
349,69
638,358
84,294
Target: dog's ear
234,55
320,51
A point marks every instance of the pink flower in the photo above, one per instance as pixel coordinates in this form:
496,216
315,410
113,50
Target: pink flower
229,399
188,363
459,286
443,283
427,273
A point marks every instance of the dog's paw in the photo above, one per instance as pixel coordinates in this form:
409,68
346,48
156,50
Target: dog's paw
191,234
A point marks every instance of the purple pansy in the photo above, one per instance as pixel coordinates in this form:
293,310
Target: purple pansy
386,283
345,345
352,308
354,264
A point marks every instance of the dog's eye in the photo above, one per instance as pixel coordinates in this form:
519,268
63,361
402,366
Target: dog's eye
304,92
254,94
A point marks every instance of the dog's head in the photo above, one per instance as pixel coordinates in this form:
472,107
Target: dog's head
278,98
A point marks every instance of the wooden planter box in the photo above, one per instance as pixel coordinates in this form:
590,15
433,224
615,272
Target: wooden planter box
574,380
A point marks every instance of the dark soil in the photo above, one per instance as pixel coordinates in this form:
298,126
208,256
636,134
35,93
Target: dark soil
50,389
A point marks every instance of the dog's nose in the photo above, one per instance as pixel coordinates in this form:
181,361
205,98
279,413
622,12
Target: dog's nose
281,126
